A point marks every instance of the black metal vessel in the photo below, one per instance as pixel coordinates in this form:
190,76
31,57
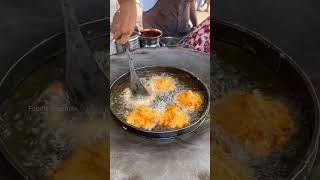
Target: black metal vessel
37,57
173,133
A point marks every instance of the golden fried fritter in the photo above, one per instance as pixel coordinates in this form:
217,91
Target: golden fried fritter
189,99
262,123
142,117
225,167
85,162
173,117
163,83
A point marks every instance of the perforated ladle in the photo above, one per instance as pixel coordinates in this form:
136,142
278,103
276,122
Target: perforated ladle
85,81
136,85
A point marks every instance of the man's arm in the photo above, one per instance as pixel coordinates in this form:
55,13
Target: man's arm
124,21
193,15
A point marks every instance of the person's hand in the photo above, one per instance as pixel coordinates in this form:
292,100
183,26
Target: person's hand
124,21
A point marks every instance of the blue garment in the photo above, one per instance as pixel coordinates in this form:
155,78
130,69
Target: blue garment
146,5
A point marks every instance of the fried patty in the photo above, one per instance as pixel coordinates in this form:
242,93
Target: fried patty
163,83
260,122
189,99
142,117
172,116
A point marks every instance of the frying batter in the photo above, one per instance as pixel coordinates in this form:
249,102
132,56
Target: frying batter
189,99
258,121
142,117
173,117
226,168
86,162
163,83
134,101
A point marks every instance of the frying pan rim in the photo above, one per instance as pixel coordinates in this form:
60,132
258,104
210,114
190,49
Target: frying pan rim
185,47
196,126
8,156
313,147
170,131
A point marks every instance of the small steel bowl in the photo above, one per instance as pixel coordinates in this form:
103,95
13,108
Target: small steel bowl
113,47
133,42
169,41
150,37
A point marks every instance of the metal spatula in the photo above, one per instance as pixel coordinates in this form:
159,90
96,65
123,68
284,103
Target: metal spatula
86,83
136,86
